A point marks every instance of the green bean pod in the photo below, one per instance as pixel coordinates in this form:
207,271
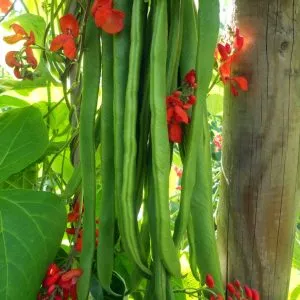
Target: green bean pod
159,138
202,211
208,28
73,184
174,44
143,130
127,214
105,250
190,38
192,249
90,88
205,245
121,45
159,279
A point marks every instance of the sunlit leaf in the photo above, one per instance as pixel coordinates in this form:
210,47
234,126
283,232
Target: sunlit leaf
24,139
31,227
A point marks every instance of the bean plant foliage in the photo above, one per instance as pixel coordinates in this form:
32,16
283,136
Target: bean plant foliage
110,153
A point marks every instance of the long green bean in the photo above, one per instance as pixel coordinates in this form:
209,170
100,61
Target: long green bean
91,79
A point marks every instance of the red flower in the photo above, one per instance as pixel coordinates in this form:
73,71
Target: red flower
190,78
52,270
66,41
73,273
69,25
209,281
226,56
30,57
248,291
51,280
175,132
237,284
30,40
108,19
255,295
20,34
11,59
74,215
70,231
5,6
230,288
17,73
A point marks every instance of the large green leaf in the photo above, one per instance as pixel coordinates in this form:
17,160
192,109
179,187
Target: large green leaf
24,138
10,101
31,228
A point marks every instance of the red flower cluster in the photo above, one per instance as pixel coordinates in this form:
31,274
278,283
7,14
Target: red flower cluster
59,284
66,41
108,19
21,63
234,289
74,216
177,105
5,6
225,55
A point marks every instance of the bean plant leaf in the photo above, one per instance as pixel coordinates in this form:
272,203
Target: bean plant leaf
24,139
31,228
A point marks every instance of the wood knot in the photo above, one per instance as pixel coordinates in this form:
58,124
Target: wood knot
284,45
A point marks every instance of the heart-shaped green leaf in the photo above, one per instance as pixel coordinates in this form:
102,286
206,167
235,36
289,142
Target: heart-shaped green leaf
31,228
24,139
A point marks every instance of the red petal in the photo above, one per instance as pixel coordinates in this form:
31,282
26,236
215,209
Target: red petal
17,73
18,29
110,20
73,292
52,270
78,245
175,133
242,82
233,90
31,40
73,217
30,57
170,113
51,280
71,274
69,25
190,77
222,51
255,295
70,49
192,99
58,42
180,115
228,48
225,71
12,39
239,40
5,5
100,3
70,231
10,59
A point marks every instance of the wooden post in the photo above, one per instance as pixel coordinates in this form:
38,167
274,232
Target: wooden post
256,219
